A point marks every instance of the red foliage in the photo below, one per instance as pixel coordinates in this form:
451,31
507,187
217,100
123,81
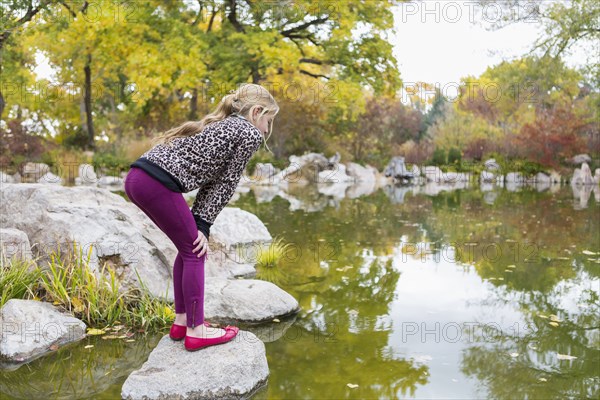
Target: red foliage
18,146
557,133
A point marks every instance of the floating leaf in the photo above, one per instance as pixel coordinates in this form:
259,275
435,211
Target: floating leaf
553,323
276,320
122,337
565,357
588,253
554,318
109,337
94,331
130,340
508,270
512,266
513,355
542,316
89,346
543,380
352,385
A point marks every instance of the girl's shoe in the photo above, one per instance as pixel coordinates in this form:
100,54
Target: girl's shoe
194,343
178,332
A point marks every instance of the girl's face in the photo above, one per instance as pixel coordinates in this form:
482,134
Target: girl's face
263,123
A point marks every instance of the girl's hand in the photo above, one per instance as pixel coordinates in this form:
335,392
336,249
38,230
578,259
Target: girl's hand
202,244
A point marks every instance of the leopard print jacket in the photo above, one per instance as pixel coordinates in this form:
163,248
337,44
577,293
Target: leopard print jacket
212,161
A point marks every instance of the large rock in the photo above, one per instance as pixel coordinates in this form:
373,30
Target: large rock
246,300
360,173
432,174
580,159
32,328
14,243
396,169
32,172
50,179
117,231
86,175
487,177
6,178
491,165
582,176
336,175
235,227
231,370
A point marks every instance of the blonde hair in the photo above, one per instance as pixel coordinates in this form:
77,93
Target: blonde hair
242,101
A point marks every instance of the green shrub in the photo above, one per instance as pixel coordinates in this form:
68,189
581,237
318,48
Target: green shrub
454,156
439,157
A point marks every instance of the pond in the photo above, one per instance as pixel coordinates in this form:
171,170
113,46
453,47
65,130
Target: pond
464,294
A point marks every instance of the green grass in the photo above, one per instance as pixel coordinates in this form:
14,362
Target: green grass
98,298
269,260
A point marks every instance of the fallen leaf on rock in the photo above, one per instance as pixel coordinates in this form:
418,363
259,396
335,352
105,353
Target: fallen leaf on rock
54,347
565,357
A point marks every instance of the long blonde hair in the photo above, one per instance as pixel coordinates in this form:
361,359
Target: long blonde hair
242,101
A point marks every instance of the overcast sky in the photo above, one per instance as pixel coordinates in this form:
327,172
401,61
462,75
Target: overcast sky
437,42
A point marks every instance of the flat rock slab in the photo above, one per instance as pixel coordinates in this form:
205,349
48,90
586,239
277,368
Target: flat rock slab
246,300
32,328
231,370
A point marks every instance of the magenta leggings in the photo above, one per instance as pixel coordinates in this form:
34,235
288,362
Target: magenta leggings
171,214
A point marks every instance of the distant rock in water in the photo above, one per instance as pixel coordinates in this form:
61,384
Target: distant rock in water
583,176
580,159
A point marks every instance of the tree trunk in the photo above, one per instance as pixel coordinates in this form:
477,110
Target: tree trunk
194,105
88,103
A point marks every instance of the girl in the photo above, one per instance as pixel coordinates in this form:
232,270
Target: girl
209,155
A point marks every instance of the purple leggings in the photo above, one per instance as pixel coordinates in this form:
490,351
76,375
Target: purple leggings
170,212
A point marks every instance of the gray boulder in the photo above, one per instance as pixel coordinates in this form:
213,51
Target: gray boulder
580,159
33,328
487,177
491,165
32,172
236,228
246,300
116,230
360,173
582,176
396,168
15,243
231,370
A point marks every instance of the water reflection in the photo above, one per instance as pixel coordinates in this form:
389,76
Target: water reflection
462,294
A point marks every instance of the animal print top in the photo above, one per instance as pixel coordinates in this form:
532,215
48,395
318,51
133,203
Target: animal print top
212,161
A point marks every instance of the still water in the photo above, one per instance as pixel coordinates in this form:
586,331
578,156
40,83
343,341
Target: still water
463,294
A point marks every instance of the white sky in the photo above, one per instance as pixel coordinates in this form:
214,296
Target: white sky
436,41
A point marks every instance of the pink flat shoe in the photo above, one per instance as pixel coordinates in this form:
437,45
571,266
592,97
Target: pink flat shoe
178,332
194,343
